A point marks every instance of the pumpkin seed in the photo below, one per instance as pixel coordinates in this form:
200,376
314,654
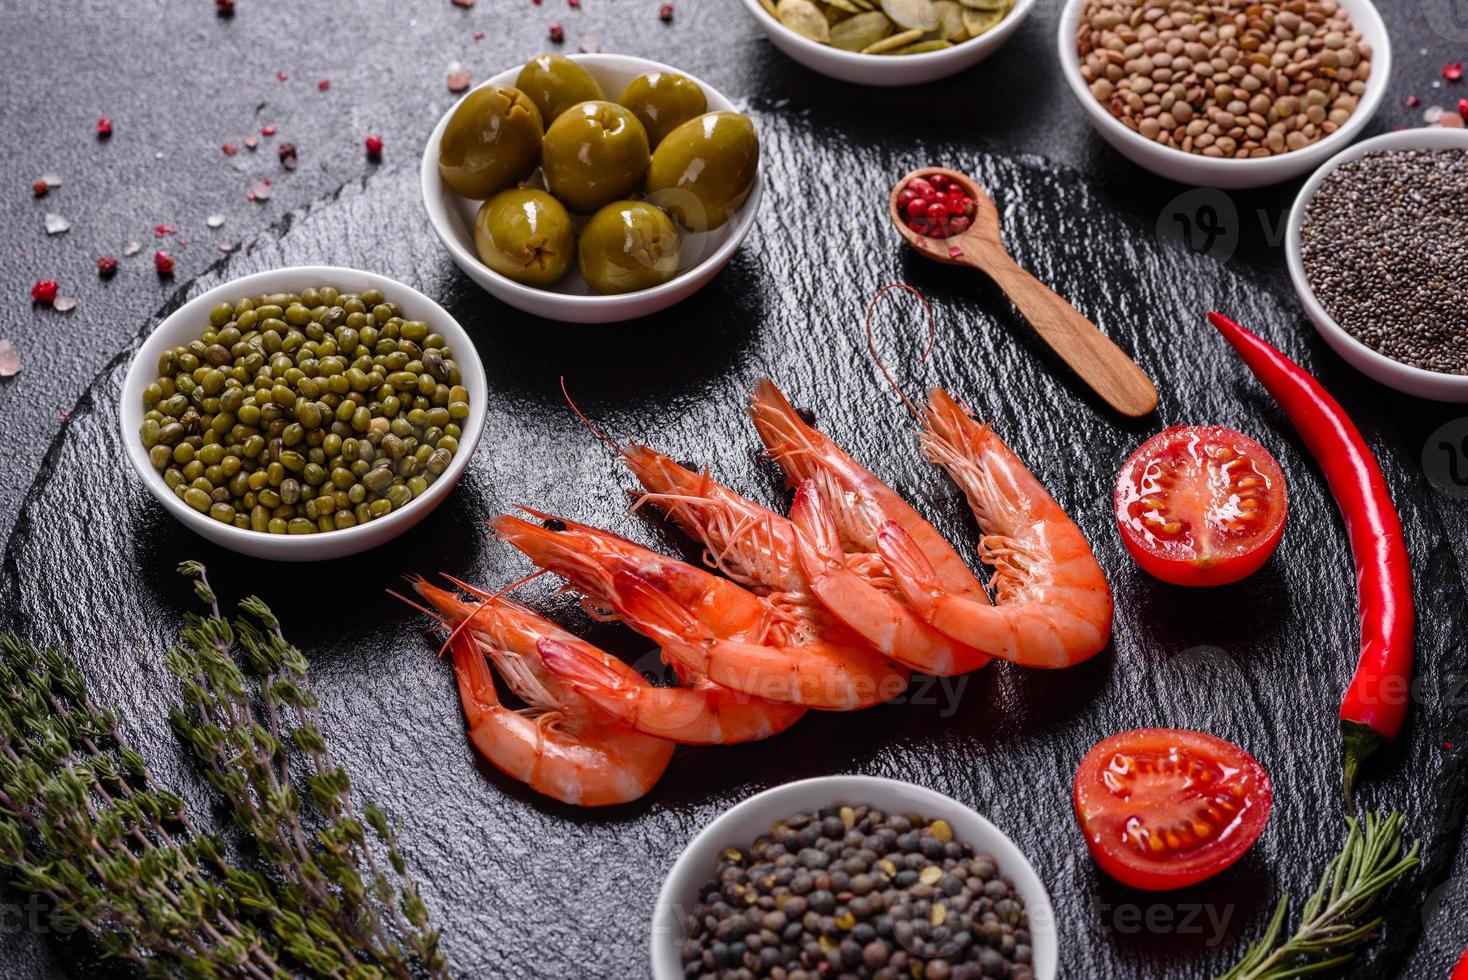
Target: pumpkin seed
845,5
911,14
804,18
894,42
986,4
922,47
861,31
769,6
977,22
950,20
865,4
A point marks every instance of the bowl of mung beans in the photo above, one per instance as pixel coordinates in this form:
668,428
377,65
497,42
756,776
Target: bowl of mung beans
305,413
1375,248
1227,96
853,876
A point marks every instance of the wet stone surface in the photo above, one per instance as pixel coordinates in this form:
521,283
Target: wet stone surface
522,886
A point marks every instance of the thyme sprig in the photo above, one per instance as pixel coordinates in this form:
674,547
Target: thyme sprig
84,822
1335,917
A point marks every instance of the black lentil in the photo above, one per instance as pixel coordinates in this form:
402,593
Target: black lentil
852,891
1384,243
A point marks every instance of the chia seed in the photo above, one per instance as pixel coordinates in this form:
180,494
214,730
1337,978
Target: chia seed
851,891
1384,244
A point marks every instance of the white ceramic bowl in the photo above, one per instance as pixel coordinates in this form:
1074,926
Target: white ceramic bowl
742,823
1393,374
571,299
1194,168
184,326
888,70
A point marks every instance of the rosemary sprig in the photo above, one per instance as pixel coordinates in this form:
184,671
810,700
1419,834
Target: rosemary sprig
1335,916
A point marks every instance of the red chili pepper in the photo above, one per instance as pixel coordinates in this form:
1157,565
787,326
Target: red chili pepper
1375,704
1460,972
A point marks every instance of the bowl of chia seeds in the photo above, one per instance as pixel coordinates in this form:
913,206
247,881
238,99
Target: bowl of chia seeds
853,876
1375,246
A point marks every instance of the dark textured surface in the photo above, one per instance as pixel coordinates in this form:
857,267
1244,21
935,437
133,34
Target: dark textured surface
526,887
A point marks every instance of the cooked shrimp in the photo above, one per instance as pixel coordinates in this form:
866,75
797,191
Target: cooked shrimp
560,753
846,496
1052,605
574,672
859,502
737,639
698,713
847,585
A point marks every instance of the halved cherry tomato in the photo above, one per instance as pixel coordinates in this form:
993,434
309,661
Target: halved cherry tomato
1165,808
1201,505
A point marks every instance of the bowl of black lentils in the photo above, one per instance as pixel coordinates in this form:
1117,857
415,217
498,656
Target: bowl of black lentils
854,876
305,413
1375,245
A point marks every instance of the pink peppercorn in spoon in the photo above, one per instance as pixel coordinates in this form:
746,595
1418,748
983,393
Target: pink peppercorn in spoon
963,229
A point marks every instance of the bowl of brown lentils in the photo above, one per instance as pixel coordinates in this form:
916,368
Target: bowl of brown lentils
853,876
305,413
1226,93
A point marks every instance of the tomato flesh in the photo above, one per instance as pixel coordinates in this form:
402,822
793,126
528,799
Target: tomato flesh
1201,505
1164,808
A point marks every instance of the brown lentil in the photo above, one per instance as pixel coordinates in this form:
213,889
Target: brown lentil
277,419
1384,243
1228,78
853,891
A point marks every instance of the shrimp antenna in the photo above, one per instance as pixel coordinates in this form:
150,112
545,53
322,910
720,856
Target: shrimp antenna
489,600
872,344
421,608
587,422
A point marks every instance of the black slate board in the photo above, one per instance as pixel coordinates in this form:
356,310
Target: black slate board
525,887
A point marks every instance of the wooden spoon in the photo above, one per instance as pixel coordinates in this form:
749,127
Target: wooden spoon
1090,353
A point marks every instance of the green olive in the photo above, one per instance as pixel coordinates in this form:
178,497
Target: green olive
662,101
628,245
525,235
492,142
595,153
555,83
703,170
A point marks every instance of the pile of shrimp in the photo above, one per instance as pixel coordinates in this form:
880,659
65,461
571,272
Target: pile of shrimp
829,608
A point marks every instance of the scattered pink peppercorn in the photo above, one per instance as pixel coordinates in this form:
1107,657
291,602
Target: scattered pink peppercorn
1453,72
324,84
574,3
106,265
1463,109
373,144
1413,102
163,262
225,7
267,130
252,141
479,34
230,149
665,12
282,76
162,230
287,154
39,188
44,291
104,127
557,33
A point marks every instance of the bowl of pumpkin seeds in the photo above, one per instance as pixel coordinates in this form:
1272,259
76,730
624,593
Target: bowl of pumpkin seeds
889,42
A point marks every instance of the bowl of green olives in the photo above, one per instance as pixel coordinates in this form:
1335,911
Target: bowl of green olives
592,188
304,413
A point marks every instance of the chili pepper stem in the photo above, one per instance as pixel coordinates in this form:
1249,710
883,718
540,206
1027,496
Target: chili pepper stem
1361,742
